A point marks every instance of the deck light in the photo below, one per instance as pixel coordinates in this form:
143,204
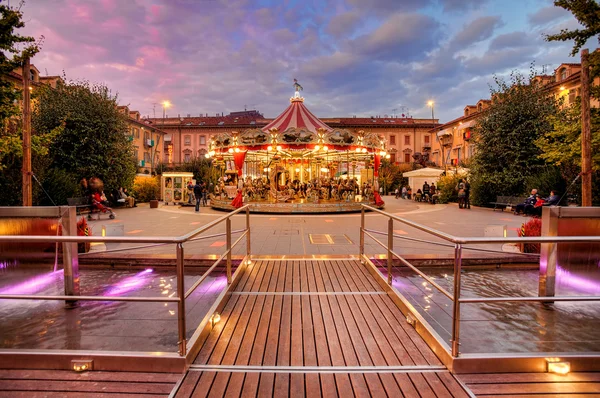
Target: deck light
81,365
557,366
214,319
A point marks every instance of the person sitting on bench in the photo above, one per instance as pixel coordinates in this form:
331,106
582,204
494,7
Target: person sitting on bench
528,204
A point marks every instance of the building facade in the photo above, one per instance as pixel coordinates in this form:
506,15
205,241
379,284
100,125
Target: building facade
147,140
189,137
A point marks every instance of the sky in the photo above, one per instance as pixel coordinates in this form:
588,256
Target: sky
353,57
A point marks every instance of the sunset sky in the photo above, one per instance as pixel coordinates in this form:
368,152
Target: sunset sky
353,57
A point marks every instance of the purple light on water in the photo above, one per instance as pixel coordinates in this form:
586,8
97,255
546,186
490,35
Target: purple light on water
566,277
34,284
130,283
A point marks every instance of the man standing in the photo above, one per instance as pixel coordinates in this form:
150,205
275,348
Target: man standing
190,188
198,195
467,194
426,191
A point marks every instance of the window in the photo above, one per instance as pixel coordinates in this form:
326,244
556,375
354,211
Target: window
187,157
146,136
458,154
479,108
392,140
563,73
427,140
407,140
187,140
136,133
31,75
202,140
407,158
136,152
147,157
393,157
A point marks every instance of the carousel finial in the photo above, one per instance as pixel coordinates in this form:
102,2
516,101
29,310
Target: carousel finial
297,86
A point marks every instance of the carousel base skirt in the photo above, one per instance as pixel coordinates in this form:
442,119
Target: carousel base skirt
297,206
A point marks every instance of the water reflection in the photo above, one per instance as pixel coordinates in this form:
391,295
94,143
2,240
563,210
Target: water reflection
100,325
510,327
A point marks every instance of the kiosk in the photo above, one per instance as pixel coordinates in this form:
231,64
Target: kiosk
173,187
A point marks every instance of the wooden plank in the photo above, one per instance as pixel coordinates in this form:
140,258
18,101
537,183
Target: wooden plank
437,386
297,343
373,381
140,377
421,385
406,385
333,356
528,377
189,384
536,388
281,387
84,386
62,394
313,387
540,396
452,384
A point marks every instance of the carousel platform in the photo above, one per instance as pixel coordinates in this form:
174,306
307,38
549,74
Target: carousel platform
296,206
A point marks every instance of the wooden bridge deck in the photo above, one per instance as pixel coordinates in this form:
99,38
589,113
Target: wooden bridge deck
314,328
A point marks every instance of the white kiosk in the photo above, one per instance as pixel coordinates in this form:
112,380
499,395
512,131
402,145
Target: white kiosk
173,187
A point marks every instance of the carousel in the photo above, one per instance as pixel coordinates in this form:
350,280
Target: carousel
296,164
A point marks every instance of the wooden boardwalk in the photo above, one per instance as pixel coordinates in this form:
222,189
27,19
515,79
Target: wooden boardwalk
314,328
16,383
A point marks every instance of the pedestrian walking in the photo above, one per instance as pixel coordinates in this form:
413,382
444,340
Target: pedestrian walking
198,195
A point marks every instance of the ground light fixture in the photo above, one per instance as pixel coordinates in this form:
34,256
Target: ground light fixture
214,319
81,365
555,365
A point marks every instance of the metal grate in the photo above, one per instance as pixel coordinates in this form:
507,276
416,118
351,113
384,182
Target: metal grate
286,232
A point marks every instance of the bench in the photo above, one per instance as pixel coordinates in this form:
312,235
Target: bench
84,205
504,201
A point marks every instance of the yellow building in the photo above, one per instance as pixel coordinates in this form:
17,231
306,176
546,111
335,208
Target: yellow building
147,140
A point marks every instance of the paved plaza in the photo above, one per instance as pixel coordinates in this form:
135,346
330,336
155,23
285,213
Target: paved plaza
303,234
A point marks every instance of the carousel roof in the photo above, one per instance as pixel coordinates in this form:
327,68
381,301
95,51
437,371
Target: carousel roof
296,116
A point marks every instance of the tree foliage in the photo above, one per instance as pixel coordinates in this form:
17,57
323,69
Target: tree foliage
14,49
587,13
506,133
92,139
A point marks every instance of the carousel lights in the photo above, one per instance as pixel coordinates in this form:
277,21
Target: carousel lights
269,148
236,149
230,150
278,147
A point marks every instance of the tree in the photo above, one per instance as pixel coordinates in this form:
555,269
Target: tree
389,175
93,138
561,146
519,114
587,13
14,49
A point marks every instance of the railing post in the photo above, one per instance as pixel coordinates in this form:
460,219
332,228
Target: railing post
70,255
361,247
248,233
455,302
228,235
181,303
390,248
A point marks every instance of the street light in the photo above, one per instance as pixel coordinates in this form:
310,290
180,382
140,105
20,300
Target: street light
431,104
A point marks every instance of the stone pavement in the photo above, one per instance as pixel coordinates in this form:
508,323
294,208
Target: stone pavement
303,234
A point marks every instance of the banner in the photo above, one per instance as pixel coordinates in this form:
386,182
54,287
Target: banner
238,159
377,163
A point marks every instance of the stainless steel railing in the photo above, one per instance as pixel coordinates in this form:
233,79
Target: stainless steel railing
459,244
182,294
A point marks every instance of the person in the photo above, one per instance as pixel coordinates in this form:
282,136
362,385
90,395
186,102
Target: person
460,188
426,192
467,194
552,200
418,195
404,192
408,192
197,195
433,193
528,204
129,201
397,193
190,188
131,198
205,194
381,191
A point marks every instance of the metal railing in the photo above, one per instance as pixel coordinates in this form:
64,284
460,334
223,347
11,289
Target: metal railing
459,244
182,294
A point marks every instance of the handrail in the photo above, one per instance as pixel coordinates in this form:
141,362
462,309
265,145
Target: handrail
154,241
457,244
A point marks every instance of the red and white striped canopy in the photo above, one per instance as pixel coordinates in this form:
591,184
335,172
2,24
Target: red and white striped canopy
298,116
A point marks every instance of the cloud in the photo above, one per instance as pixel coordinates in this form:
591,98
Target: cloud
402,36
461,5
546,15
476,31
343,24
